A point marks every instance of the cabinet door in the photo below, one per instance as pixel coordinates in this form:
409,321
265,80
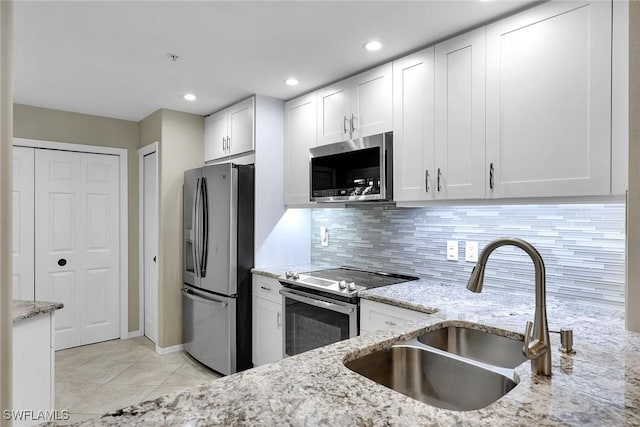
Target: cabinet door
460,117
413,128
215,132
371,102
375,316
549,101
299,137
267,331
240,126
333,113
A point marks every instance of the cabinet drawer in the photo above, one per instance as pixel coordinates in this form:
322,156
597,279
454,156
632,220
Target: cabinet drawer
375,316
267,288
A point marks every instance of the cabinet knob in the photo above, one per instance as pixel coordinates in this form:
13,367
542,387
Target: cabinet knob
62,262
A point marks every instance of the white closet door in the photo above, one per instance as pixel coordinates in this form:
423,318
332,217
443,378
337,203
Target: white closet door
23,176
150,248
77,243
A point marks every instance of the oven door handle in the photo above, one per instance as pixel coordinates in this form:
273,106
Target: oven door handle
313,300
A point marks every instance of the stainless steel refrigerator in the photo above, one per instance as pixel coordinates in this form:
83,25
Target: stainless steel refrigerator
218,208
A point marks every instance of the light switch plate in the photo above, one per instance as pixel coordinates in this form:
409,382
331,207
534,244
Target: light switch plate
452,250
471,251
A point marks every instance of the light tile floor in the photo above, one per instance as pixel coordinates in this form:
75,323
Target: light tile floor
99,378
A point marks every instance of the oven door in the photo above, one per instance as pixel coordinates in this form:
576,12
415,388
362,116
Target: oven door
312,321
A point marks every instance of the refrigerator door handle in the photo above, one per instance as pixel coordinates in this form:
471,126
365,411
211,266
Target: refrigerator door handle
204,300
194,222
204,248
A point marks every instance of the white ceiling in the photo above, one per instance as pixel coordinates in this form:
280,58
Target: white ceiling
109,58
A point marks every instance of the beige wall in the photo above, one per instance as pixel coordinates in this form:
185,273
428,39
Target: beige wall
633,220
181,148
62,126
151,129
6,190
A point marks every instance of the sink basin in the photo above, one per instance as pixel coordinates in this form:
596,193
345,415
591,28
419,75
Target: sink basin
478,345
433,378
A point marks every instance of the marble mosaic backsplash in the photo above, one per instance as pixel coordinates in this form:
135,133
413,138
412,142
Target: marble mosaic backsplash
583,245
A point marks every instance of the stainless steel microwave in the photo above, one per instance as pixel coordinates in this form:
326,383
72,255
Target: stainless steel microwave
356,170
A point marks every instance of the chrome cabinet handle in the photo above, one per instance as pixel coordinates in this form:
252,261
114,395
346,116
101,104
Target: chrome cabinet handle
344,124
390,323
491,174
426,180
229,143
279,320
265,288
224,144
353,126
438,186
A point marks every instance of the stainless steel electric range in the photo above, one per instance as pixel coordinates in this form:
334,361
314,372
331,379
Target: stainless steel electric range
322,307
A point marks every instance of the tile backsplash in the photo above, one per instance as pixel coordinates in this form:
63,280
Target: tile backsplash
582,245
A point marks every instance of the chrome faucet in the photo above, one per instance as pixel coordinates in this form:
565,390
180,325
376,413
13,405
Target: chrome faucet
537,346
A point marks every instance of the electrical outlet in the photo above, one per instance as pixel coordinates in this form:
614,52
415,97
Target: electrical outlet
471,251
452,250
324,236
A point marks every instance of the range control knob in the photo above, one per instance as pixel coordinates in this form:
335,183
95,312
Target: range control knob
342,284
292,275
351,286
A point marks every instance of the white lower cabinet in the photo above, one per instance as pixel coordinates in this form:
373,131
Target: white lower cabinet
267,320
375,316
33,366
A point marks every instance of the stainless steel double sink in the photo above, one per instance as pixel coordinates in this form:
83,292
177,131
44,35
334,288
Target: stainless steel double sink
455,367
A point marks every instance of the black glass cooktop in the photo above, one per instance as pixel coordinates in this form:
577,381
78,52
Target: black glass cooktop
366,279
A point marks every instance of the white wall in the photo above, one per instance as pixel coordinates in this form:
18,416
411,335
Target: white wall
281,236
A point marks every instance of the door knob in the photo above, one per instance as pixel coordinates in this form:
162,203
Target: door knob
62,262
154,259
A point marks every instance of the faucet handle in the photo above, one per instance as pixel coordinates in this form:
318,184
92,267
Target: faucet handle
532,349
527,337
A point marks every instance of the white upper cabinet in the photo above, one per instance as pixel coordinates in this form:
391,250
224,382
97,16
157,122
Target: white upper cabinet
549,101
300,136
413,127
372,102
230,131
215,134
333,109
356,107
460,117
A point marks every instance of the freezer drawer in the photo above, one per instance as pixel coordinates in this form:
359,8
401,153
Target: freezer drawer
209,329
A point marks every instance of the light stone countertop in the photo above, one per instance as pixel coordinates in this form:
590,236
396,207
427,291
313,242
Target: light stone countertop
599,385
23,309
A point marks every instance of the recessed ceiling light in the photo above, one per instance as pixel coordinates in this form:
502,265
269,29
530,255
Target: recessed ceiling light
291,81
190,97
373,45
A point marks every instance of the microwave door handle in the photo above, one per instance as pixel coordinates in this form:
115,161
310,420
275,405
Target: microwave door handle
194,233
333,306
204,234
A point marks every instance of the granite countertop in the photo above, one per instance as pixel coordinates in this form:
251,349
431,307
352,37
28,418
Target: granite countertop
23,309
599,385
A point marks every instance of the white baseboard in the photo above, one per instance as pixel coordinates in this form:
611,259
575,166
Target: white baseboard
167,350
134,334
